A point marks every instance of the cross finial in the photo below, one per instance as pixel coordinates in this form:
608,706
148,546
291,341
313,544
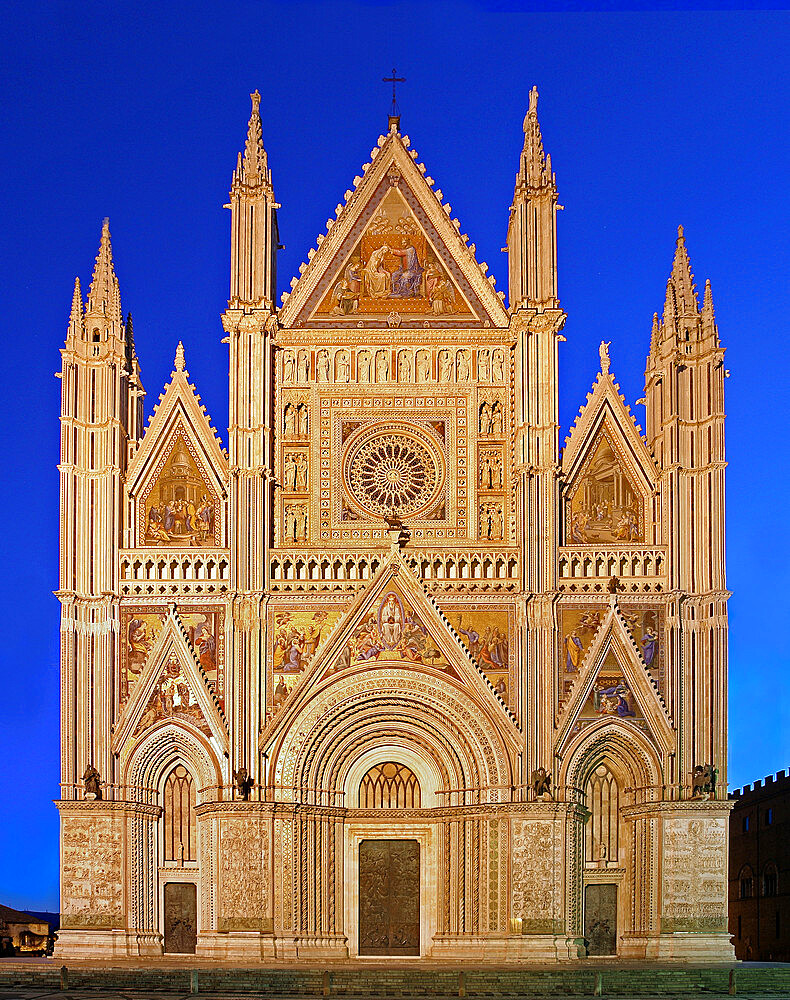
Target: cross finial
394,115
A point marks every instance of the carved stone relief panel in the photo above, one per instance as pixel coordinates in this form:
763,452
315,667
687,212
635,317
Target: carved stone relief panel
91,872
244,872
694,874
536,875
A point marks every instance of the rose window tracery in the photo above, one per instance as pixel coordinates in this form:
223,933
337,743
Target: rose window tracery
393,472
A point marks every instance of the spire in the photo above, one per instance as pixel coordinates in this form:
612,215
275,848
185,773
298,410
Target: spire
104,296
76,322
254,166
708,315
535,169
683,280
179,365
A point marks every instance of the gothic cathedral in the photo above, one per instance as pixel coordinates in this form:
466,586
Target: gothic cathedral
396,673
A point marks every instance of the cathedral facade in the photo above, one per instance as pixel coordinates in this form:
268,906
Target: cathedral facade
396,673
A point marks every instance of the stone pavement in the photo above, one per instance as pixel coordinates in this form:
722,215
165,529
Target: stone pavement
34,979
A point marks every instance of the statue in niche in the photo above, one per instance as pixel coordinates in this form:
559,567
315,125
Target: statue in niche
462,366
491,521
496,419
303,367
244,783
289,366
301,473
363,366
322,366
485,418
382,366
483,365
92,782
295,523
289,420
289,472
342,366
303,419
498,365
445,366
490,471
404,366
423,366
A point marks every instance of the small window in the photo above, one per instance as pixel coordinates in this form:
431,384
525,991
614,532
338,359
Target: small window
745,824
777,923
770,881
739,927
96,337
769,817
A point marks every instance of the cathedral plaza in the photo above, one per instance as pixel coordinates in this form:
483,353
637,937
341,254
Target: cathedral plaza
396,674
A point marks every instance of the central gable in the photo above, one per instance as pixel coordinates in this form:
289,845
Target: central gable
393,257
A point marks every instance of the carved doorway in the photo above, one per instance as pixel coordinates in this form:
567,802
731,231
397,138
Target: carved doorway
180,918
389,897
600,918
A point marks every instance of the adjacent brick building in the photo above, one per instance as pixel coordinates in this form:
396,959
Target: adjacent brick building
760,870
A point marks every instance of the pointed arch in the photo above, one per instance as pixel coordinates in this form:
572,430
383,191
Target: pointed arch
151,759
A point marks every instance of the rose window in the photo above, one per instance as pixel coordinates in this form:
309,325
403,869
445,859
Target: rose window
393,473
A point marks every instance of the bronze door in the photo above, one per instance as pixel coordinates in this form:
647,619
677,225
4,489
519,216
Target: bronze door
389,897
180,918
600,919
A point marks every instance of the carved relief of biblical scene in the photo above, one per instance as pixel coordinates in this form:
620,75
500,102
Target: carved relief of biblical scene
486,634
140,627
580,623
492,521
295,475
604,507
180,508
173,698
491,422
296,524
490,474
296,419
393,266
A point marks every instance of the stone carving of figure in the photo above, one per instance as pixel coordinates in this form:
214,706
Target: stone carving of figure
382,366
498,365
485,418
423,366
404,367
243,782
603,354
445,366
301,474
303,367
541,782
289,472
462,366
703,781
289,420
92,780
304,420
342,366
289,366
322,366
496,418
363,366
483,365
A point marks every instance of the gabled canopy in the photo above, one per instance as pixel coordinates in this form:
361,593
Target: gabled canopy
414,636
613,639
179,416
171,655
393,257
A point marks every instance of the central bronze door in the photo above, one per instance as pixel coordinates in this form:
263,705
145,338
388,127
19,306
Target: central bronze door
389,897
600,919
180,918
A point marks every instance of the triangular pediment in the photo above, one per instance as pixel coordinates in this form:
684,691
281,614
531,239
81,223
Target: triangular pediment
395,625
172,687
610,474
393,257
614,683
178,475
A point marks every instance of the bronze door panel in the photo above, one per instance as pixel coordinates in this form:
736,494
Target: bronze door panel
180,918
600,919
389,897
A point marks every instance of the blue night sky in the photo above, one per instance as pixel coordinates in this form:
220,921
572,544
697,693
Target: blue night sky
136,112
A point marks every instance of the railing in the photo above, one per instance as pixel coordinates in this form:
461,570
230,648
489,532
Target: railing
271,793
641,794
109,793
190,571
293,570
588,570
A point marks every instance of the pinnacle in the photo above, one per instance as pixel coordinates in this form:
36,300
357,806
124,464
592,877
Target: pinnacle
254,165
104,295
179,364
707,302
76,303
682,279
535,170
